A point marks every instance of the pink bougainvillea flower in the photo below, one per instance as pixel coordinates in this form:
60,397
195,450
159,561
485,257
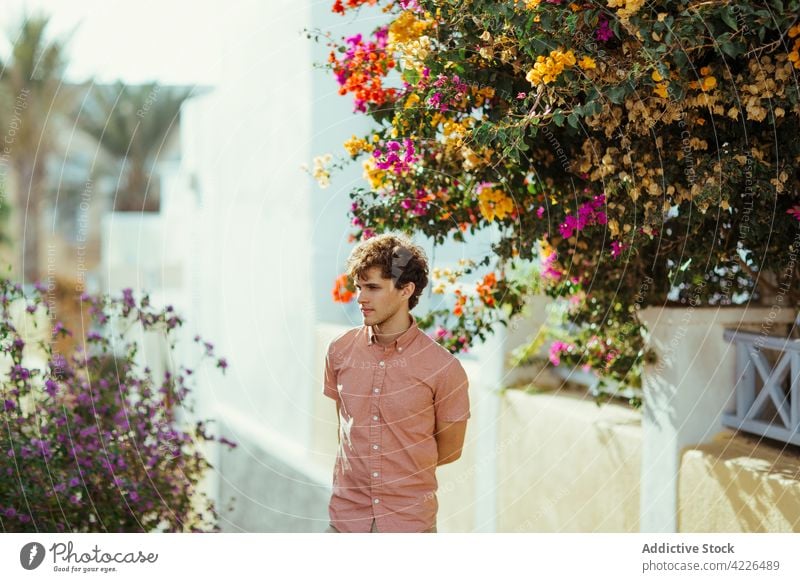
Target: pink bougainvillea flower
397,158
603,32
588,214
556,349
617,248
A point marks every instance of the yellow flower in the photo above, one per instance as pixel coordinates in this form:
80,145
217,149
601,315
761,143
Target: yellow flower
412,100
494,203
321,173
794,55
372,174
626,7
407,28
661,90
356,145
547,69
708,83
656,76
546,249
587,63
454,132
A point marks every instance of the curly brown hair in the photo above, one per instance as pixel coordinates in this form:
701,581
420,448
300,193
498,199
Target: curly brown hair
398,258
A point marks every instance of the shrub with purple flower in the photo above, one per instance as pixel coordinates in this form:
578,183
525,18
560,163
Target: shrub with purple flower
93,443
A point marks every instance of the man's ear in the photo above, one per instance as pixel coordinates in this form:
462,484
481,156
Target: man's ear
408,289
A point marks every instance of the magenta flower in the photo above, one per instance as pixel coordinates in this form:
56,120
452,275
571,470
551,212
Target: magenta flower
412,5
603,32
588,214
617,248
397,158
549,271
556,349
794,211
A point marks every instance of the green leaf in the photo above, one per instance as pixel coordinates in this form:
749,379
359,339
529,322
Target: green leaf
558,119
732,49
616,94
411,76
728,18
592,108
572,119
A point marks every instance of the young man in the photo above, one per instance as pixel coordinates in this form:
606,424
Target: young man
401,398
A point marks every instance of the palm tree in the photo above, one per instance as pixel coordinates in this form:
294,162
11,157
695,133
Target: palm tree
32,98
131,123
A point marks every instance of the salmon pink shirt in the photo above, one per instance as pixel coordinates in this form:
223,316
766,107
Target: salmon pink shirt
390,398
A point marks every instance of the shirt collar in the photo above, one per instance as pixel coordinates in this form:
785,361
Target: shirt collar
402,341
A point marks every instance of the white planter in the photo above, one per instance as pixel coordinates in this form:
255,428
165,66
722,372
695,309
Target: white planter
687,391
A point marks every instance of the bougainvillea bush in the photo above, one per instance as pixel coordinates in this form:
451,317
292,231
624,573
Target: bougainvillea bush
91,441
637,153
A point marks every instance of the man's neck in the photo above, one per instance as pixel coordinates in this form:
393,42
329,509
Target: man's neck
392,328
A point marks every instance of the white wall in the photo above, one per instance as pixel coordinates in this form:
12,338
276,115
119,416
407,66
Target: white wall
251,292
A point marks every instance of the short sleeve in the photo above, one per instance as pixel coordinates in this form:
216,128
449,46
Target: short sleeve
451,399
330,375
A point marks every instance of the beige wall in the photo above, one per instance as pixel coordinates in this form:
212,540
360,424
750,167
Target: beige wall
739,483
567,465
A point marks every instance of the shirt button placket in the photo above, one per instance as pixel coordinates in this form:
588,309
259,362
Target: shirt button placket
375,434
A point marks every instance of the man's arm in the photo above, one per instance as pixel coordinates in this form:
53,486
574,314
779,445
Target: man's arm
338,422
449,440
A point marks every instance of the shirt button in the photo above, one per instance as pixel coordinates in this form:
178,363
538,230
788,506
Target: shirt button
375,474
376,390
374,446
376,500
375,417
381,364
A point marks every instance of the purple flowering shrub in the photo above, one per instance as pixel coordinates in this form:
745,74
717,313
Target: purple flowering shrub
91,442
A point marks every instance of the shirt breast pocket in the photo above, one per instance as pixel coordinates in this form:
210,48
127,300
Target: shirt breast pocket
409,406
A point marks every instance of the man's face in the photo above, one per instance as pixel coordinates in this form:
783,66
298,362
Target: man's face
378,298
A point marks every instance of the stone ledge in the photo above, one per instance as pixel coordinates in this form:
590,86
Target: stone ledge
739,483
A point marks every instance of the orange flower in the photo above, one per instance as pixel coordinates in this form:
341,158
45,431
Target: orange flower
342,290
460,302
486,288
